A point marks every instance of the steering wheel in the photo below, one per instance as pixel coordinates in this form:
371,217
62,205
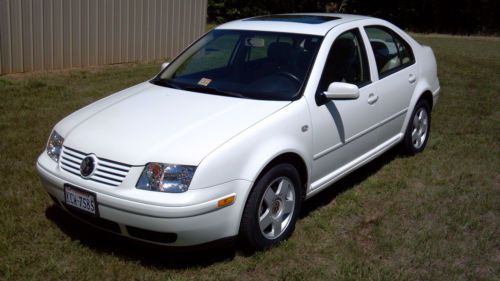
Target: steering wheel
290,76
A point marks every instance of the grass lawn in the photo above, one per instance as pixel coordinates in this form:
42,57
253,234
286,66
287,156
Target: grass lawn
435,216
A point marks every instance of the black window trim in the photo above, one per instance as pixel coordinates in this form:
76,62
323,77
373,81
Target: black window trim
365,52
359,32
395,36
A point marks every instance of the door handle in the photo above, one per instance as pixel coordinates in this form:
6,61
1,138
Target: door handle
412,78
372,98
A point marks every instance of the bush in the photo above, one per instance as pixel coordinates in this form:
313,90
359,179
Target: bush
446,16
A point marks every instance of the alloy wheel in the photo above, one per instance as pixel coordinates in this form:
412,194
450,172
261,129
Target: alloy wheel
276,207
420,128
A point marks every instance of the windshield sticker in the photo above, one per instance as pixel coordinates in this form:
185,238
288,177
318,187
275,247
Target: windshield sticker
204,82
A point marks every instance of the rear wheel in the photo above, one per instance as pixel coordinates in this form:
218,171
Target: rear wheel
417,132
272,207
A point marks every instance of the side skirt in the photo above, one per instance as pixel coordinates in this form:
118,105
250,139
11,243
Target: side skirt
341,172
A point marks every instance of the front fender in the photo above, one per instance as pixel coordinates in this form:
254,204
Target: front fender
246,155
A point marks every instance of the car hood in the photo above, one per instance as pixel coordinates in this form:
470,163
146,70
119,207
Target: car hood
149,123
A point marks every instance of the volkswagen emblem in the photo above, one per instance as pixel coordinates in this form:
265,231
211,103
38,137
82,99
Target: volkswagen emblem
88,166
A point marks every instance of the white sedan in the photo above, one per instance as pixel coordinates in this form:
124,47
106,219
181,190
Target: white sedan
236,132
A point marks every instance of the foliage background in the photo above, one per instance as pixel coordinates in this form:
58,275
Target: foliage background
427,16
434,216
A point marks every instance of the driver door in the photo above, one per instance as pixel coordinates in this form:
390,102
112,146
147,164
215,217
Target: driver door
343,130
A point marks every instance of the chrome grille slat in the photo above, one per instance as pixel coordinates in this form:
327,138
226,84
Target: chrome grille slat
71,172
108,176
74,155
111,172
107,172
72,166
106,181
114,165
68,159
117,169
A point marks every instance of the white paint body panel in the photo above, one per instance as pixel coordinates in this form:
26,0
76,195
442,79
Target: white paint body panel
231,140
149,123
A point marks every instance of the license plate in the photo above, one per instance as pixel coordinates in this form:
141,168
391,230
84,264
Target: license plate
80,199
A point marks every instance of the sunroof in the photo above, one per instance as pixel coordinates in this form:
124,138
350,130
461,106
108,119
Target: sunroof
310,19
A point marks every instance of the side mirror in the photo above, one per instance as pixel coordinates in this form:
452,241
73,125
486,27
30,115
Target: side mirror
163,65
341,91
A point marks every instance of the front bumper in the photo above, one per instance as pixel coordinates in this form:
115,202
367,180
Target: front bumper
189,218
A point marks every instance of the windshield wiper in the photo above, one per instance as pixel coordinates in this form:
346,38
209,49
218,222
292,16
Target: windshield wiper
208,90
166,83
214,91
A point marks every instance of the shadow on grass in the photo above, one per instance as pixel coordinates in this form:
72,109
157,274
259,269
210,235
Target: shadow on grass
330,193
157,256
168,258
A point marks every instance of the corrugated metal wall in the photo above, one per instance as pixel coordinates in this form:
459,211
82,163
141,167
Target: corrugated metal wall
56,34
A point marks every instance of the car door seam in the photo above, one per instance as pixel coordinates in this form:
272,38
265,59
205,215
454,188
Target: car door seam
358,135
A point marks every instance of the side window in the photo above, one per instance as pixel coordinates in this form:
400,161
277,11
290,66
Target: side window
391,51
346,62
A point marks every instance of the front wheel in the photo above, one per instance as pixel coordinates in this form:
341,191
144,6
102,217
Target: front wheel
272,208
417,132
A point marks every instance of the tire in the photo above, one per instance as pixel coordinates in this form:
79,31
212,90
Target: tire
272,208
418,130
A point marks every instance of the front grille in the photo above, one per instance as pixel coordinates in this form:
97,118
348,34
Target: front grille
107,172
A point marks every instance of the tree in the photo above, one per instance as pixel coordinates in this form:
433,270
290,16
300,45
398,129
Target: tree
445,16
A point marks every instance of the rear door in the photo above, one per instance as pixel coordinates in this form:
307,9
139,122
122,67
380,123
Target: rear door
396,81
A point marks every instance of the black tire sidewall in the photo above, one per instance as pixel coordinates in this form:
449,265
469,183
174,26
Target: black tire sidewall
409,148
249,229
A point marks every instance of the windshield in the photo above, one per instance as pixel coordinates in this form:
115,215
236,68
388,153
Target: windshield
246,64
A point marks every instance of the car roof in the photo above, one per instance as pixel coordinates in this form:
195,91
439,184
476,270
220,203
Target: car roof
305,23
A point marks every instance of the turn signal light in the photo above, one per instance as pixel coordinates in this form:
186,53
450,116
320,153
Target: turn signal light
226,201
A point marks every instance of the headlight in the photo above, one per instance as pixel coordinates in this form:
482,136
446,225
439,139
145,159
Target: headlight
54,146
166,177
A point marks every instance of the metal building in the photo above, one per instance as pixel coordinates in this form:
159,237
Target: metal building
56,34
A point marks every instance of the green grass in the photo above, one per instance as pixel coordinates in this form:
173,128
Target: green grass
435,216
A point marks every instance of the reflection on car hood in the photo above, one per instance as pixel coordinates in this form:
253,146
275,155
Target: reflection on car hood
148,123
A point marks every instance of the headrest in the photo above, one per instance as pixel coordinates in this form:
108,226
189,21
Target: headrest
379,48
310,46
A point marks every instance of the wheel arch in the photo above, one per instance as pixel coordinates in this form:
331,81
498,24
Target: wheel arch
295,160
422,91
427,96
